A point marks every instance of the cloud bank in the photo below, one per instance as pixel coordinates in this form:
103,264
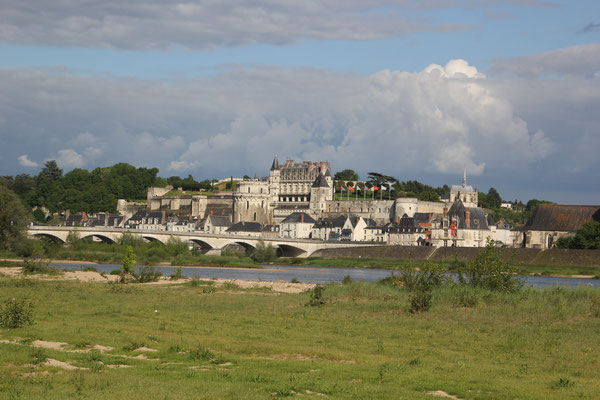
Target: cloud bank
159,24
426,125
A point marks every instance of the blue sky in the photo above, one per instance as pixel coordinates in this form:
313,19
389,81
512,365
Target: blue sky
413,89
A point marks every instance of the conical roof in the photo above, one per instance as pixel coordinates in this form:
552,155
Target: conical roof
328,172
320,181
275,165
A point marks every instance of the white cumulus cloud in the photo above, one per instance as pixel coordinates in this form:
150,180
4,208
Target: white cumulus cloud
26,162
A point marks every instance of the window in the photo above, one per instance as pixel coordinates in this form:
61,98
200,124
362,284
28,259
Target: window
254,216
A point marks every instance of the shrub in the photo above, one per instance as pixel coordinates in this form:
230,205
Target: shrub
128,265
147,274
201,353
38,355
116,272
295,280
176,247
316,296
176,274
466,298
263,253
16,313
36,266
347,280
489,271
429,276
420,301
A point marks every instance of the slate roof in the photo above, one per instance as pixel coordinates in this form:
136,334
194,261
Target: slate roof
477,216
245,227
555,217
328,172
217,220
275,165
296,217
320,181
331,222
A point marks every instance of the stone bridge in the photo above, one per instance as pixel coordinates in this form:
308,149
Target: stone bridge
209,243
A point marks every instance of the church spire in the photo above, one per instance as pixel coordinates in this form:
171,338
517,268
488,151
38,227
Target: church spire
465,177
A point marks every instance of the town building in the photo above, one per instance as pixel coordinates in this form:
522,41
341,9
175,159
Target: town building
550,222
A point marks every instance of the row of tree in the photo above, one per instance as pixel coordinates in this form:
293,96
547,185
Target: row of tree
80,189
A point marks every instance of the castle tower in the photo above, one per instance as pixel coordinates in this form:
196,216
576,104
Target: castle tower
320,192
274,179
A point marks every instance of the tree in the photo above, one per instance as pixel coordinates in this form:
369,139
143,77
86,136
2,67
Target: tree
128,266
50,173
346,175
14,218
493,198
587,237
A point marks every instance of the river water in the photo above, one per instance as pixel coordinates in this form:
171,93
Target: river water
313,274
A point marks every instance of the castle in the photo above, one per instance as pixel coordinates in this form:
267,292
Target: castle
308,187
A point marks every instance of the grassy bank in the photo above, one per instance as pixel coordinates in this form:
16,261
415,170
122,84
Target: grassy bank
361,343
450,265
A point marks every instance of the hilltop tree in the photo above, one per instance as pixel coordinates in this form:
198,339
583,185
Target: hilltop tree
346,175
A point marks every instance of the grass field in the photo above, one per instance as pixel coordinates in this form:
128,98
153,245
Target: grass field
363,343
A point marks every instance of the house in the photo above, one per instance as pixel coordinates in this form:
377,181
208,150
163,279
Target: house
147,220
217,225
246,229
109,220
550,222
297,225
329,228
460,226
270,231
77,219
407,232
176,223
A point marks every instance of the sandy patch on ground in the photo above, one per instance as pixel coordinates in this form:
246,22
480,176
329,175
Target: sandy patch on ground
441,393
49,345
60,364
279,286
9,341
91,276
82,276
146,349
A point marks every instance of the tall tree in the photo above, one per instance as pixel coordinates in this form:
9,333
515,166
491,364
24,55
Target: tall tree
14,218
50,173
346,175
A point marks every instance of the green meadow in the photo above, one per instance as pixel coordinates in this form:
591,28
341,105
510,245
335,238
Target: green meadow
356,341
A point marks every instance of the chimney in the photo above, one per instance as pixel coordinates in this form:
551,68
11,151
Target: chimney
398,220
468,218
302,218
445,211
210,213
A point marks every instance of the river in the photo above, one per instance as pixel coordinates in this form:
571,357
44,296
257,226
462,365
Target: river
313,274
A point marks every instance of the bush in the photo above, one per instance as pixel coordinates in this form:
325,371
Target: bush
429,276
147,274
489,271
316,296
176,247
263,253
16,313
176,274
128,266
116,272
36,266
294,280
420,301
466,298
347,280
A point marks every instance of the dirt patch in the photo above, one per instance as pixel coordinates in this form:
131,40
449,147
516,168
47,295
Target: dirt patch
49,345
82,276
60,364
9,341
441,393
279,286
147,349
118,366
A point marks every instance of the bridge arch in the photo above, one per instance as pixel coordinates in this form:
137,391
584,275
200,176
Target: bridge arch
152,238
202,244
286,250
49,235
248,246
104,238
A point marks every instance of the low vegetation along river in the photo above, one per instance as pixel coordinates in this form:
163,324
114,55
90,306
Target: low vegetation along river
312,274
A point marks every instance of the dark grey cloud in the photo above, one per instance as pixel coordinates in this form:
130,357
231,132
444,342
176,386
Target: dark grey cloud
160,24
534,139
576,61
591,27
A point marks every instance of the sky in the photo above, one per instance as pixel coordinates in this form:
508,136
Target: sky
418,90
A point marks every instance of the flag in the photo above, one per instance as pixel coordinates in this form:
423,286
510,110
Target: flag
453,229
350,188
375,187
383,188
